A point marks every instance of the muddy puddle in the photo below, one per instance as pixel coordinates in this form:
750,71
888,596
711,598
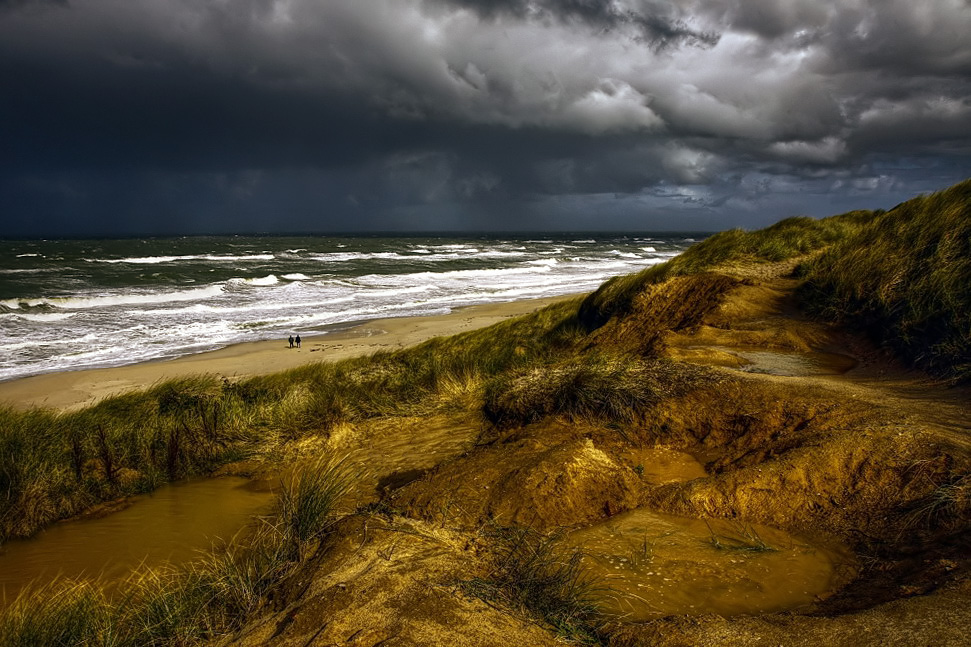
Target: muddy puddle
653,565
790,364
660,465
173,524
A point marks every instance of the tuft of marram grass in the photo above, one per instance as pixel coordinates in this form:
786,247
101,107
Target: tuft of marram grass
307,504
535,574
68,614
614,389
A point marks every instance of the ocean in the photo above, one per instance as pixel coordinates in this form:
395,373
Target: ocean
76,304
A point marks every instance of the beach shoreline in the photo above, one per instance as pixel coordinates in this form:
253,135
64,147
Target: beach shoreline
70,390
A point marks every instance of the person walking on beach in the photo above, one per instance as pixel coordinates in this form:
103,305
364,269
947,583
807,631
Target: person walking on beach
291,341
298,341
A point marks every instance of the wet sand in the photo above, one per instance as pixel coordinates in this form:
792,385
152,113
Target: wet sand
74,389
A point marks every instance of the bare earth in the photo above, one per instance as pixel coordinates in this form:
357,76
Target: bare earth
799,426
75,389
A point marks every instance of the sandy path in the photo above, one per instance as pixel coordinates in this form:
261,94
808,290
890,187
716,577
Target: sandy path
75,389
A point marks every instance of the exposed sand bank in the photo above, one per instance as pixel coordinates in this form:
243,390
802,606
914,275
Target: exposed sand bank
73,389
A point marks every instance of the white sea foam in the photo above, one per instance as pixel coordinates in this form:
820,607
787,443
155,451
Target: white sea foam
80,303
549,262
588,241
153,260
263,281
44,316
648,249
30,270
297,276
26,255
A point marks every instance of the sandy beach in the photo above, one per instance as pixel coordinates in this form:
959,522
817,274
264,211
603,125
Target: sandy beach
75,389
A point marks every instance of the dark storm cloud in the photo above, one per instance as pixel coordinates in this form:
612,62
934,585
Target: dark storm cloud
465,113
658,23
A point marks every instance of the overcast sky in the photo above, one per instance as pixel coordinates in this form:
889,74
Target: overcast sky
190,116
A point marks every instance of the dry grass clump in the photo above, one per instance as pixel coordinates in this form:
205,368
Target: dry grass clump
533,574
308,498
611,388
905,278
947,506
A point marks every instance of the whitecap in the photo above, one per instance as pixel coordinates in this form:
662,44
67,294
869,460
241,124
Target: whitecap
152,260
114,300
545,261
296,276
648,249
588,241
26,255
501,253
45,316
269,279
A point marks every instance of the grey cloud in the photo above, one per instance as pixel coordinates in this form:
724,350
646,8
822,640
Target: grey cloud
658,24
396,108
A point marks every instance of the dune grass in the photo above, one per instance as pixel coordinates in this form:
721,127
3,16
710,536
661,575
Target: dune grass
308,498
603,387
535,575
54,465
905,278
904,275
786,239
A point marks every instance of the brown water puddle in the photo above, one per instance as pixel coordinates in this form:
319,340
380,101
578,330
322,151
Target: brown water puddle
790,364
660,465
656,565
173,524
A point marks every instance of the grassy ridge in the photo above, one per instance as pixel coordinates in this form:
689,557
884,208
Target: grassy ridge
55,465
905,278
786,239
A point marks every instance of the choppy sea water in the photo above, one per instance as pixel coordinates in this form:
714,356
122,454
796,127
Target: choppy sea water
74,304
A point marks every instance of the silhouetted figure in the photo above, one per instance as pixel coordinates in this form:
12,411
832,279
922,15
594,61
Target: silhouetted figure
298,341
291,341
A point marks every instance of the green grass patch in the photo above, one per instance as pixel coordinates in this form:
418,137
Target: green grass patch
786,239
905,278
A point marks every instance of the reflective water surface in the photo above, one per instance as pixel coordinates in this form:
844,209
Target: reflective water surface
172,524
660,465
656,565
